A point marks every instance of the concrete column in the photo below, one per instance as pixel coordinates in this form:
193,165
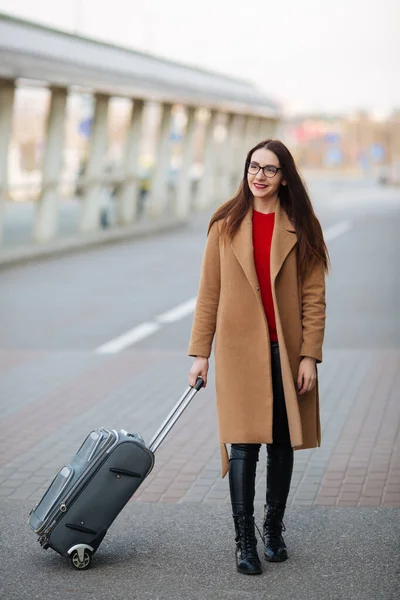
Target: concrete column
258,134
229,158
252,133
183,200
224,162
158,190
274,127
94,173
267,129
7,89
240,152
248,133
47,210
128,193
206,195
250,137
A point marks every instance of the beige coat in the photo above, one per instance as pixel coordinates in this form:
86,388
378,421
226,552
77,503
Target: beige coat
229,305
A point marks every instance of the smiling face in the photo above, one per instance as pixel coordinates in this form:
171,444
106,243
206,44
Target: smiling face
260,185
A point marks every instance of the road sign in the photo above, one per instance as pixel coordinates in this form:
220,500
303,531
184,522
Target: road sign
332,137
377,152
333,157
85,127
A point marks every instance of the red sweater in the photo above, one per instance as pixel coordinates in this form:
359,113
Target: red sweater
263,227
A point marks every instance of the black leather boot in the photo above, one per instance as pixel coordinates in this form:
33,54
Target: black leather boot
247,559
242,475
275,547
279,475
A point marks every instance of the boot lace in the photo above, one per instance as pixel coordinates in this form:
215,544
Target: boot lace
273,527
247,537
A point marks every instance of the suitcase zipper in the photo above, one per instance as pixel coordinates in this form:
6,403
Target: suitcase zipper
63,507
96,463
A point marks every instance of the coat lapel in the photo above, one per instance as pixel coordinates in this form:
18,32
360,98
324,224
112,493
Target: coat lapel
242,246
283,240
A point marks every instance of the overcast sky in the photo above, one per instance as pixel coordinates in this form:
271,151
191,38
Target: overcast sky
308,54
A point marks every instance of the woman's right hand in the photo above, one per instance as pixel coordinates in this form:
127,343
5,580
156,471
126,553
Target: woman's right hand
199,369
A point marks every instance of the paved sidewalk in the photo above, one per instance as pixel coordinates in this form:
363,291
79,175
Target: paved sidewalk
357,465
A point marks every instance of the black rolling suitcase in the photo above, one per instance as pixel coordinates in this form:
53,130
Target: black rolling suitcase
88,494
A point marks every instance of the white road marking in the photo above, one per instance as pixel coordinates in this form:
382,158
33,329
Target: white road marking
127,339
179,312
183,310
336,230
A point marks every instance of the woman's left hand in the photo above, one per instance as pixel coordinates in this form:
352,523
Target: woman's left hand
307,375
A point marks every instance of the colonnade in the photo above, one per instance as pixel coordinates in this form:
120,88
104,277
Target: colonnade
222,160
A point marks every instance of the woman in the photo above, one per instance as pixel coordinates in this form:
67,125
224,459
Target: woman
262,293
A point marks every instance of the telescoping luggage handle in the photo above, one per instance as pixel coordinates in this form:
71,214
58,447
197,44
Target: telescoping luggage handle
174,415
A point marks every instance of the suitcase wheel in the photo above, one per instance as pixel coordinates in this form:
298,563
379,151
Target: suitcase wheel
81,560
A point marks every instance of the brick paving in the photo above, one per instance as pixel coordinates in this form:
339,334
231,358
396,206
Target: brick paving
357,465
364,469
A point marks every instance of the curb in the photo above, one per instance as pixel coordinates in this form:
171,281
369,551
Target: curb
78,243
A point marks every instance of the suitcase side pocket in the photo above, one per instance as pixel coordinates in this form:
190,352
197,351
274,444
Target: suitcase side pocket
39,515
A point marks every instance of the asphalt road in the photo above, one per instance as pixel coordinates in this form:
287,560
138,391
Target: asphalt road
184,552
84,300
55,314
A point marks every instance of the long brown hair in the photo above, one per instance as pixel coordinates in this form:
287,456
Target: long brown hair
294,200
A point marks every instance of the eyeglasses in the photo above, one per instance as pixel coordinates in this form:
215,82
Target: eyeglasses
268,170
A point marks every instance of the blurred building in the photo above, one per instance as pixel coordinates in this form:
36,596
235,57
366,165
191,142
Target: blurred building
358,143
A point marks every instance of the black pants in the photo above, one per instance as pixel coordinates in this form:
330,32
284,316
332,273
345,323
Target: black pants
244,457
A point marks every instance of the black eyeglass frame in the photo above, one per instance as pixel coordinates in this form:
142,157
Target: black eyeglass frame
264,167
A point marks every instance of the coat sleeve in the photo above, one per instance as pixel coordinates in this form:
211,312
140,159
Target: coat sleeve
313,312
205,315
